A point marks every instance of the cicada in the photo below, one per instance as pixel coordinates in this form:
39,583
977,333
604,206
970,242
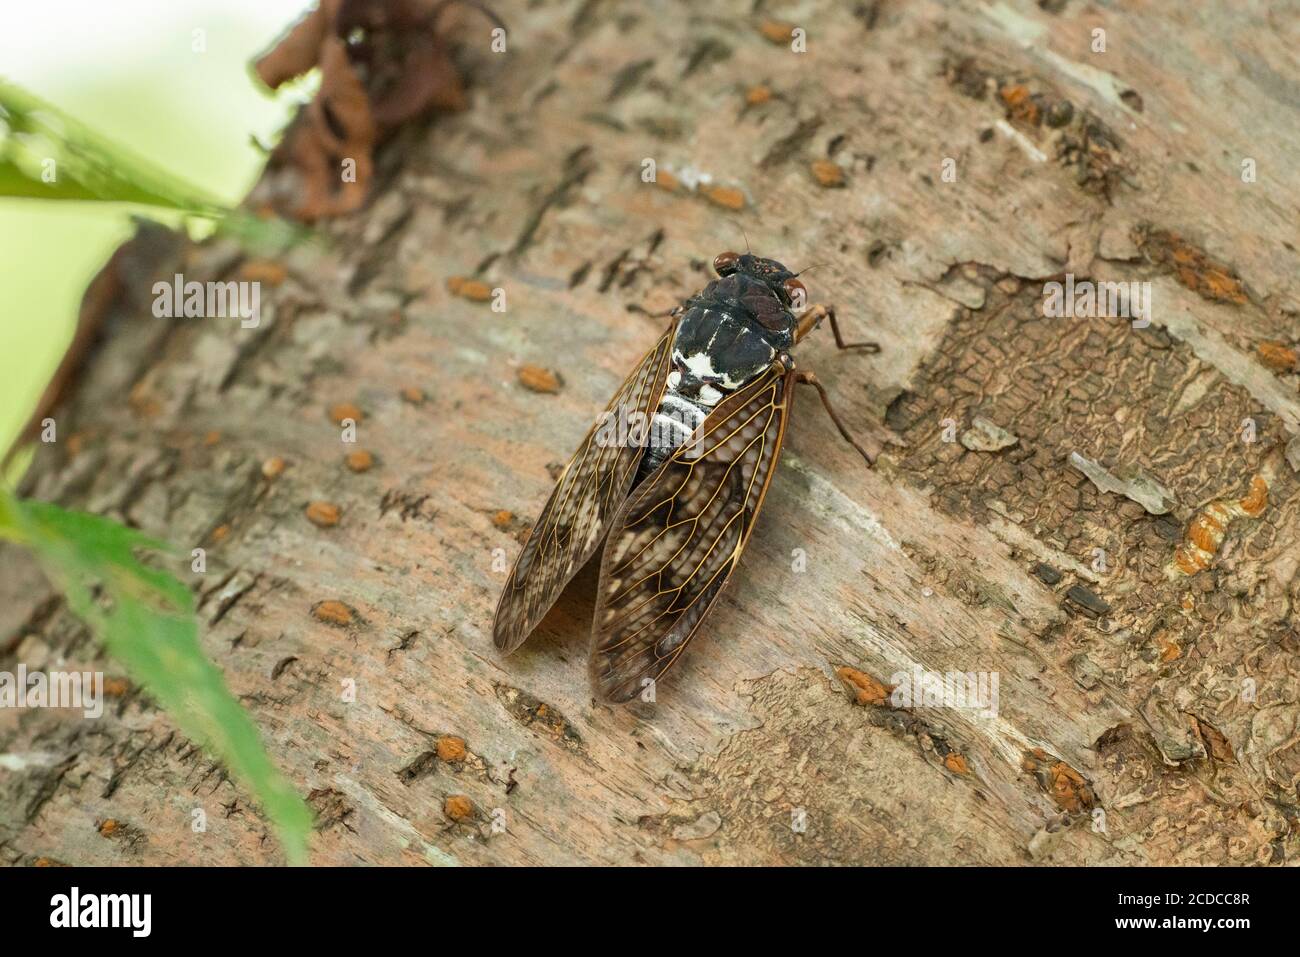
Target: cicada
674,503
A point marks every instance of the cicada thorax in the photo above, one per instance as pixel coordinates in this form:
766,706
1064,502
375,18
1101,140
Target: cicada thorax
727,336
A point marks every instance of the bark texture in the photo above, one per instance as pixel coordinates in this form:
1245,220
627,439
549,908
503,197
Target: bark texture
1145,715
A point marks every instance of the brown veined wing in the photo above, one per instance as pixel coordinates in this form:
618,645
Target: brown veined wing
586,495
674,544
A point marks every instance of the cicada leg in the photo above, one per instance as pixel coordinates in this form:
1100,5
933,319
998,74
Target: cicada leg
811,319
876,445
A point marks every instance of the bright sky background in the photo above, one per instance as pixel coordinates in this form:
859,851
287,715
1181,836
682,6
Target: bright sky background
126,69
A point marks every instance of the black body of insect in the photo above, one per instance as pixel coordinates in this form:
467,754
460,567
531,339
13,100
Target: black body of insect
674,505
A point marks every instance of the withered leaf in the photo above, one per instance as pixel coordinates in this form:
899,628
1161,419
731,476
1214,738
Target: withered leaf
382,64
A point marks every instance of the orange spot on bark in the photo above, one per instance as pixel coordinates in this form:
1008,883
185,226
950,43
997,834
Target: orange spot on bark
344,410
450,748
1257,498
866,689
116,687
828,174
264,271
332,612
666,180
471,289
1206,530
1190,265
1278,357
323,514
143,402
1190,560
537,379
1066,786
727,197
1020,105
777,31
360,460
458,807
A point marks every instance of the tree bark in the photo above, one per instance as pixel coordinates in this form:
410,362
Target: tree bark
938,163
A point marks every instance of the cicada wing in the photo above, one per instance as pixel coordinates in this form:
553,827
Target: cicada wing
674,544
592,486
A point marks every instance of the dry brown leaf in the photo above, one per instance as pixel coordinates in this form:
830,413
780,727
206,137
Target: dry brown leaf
297,51
382,63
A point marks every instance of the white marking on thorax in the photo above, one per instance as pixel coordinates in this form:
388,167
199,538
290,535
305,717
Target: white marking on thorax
701,366
708,395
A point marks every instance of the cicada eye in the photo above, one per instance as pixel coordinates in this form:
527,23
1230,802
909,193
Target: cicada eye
796,293
725,263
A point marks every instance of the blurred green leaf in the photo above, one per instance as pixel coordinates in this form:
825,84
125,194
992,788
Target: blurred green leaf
146,620
37,137
14,181
267,237
88,167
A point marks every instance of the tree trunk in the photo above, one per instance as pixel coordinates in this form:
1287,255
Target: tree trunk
938,164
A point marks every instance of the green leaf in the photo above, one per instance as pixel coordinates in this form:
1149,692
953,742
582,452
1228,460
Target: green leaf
267,237
17,182
46,154
85,164
146,620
